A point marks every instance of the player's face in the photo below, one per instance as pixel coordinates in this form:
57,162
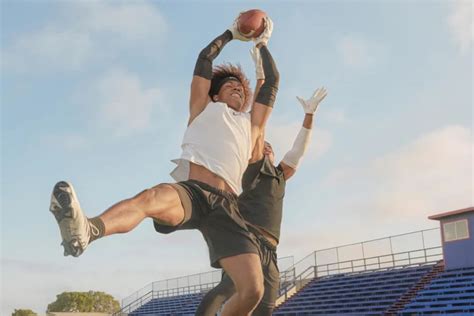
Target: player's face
268,151
232,93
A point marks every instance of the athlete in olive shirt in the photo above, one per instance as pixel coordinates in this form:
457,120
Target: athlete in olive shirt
261,205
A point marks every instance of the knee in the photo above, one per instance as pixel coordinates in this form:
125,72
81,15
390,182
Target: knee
151,195
252,292
158,203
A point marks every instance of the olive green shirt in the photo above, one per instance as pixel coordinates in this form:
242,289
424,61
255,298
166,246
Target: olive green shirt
261,202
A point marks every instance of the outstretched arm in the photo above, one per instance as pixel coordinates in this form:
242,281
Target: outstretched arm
265,97
259,74
292,158
201,82
257,152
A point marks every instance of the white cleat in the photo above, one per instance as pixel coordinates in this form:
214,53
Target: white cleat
73,224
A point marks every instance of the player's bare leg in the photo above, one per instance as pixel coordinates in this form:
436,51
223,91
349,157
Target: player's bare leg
77,231
246,272
161,203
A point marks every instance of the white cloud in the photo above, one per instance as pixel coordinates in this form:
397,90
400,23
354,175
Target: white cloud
336,116
84,31
431,174
49,48
460,24
357,52
341,175
131,20
124,105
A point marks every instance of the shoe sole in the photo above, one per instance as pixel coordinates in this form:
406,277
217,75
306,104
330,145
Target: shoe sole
63,211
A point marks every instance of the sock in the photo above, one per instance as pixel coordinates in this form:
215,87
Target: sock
97,228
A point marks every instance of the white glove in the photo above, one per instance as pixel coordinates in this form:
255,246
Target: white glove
266,34
257,59
312,103
234,29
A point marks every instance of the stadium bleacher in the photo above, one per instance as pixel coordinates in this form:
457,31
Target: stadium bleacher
452,292
360,293
369,293
412,281
176,305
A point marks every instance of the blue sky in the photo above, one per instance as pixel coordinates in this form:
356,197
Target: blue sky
96,93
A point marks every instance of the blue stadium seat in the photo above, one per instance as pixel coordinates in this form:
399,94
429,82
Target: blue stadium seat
451,292
166,306
362,293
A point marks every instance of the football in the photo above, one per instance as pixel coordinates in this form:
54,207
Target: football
251,23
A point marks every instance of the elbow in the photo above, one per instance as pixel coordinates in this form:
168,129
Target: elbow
203,67
267,94
209,52
268,91
273,80
204,55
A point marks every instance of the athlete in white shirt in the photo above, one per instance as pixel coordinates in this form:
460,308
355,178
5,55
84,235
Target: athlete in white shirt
216,148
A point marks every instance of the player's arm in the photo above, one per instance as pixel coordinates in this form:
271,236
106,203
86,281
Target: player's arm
292,158
259,73
257,152
265,97
202,75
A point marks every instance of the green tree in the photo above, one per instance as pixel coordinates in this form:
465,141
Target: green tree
24,312
84,302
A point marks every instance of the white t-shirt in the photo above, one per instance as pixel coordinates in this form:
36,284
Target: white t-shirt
218,139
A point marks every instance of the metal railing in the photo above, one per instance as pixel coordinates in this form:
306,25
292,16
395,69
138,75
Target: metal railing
189,284
381,253
147,297
170,287
386,246
386,262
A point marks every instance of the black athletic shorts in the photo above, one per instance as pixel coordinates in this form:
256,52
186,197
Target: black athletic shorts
271,275
217,296
215,214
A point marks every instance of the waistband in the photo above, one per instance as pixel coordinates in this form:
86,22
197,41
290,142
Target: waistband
212,189
266,243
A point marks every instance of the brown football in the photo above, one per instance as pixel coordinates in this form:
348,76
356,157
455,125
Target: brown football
251,23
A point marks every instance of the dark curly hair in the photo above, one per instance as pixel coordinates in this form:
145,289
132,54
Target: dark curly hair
221,72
